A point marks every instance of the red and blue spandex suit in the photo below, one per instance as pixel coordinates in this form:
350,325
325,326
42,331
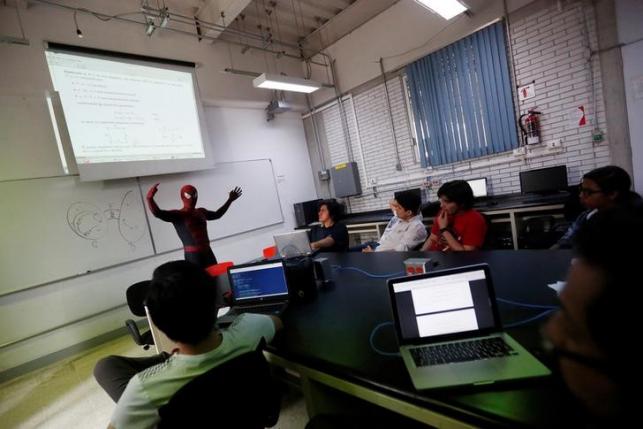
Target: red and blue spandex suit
191,223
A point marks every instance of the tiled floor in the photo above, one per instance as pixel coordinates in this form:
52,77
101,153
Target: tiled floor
65,395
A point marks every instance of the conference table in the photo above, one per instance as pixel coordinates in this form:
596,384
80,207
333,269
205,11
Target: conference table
326,343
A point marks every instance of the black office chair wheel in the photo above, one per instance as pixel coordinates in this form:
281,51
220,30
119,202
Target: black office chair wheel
145,339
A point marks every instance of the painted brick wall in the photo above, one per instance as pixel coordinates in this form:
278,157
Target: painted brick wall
550,48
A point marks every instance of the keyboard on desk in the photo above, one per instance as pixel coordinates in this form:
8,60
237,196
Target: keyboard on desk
263,309
464,351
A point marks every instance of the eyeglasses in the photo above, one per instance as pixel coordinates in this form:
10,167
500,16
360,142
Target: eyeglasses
588,192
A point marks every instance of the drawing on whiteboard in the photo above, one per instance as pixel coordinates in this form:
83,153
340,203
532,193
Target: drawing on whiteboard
87,221
91,223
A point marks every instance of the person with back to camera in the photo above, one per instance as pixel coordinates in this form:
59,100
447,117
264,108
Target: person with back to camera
457,227
191,222
405,230
331,235
593,334
181,303
601,188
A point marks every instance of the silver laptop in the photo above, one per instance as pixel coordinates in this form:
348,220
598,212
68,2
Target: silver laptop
450,333
293,244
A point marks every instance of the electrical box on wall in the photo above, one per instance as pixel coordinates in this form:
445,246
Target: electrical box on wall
345,179
324,175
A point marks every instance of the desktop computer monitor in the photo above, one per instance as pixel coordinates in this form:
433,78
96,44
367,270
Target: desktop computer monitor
306,212
544,180
479,187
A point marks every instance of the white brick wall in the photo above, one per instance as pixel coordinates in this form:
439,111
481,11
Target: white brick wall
550,48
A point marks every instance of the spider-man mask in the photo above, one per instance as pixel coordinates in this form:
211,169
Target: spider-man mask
189,196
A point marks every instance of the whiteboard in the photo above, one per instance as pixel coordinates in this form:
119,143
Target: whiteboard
258,207
60,227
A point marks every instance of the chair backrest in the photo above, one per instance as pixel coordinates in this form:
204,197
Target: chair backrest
239,393
490,238
538,233
135,295
219,269
430,210
270,252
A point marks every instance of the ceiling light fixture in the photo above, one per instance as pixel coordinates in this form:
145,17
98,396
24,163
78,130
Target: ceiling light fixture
285,83
447,9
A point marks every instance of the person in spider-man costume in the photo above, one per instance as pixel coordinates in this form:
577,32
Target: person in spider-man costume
190,223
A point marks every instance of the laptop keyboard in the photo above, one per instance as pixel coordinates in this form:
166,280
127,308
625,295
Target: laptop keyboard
461,352
264,308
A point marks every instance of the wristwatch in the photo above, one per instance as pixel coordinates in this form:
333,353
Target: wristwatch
443,230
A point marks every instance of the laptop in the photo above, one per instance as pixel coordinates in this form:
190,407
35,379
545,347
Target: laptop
449,330
293,244
257,288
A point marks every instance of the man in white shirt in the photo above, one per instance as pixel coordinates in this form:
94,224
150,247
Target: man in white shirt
181,302
405,231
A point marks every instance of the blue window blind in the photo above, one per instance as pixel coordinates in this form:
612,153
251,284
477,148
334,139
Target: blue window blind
462,101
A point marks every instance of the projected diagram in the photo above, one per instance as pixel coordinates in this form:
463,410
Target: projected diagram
89,222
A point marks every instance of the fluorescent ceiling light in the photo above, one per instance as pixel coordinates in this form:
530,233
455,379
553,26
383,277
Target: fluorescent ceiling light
285,83
447,9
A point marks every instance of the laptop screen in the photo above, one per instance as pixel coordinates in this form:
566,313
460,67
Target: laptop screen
258,282
293,244
443,305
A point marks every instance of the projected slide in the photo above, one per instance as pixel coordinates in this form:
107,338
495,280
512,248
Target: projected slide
119,111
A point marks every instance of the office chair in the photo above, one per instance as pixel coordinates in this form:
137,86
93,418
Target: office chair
219,274
491,238
270,252
219,269
135,295
540,232
430,210
239,393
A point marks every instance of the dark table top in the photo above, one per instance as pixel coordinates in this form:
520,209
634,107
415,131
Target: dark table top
331,334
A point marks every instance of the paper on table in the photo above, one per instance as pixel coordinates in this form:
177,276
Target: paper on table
558,286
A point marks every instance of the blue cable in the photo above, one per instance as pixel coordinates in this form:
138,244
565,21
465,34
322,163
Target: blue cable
375,276
531,319
522,304
386,276
372,338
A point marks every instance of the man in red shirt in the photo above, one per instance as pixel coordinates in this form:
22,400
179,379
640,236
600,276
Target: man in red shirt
457,227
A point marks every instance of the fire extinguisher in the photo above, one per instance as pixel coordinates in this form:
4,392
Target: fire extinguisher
530,127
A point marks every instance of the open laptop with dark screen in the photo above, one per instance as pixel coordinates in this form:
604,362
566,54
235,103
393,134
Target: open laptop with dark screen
450,333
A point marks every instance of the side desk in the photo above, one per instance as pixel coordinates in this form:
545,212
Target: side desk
511,210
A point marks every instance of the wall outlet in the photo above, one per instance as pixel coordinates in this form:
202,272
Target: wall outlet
555,145
597,135
520,151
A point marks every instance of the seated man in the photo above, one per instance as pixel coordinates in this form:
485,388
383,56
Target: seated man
601,189
593,333
181,304
457,227
330,236
405,230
